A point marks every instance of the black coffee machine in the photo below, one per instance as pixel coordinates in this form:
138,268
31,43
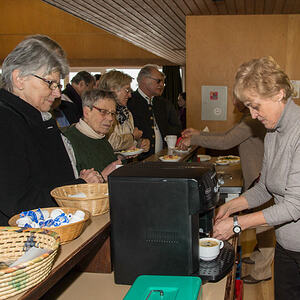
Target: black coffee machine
155,208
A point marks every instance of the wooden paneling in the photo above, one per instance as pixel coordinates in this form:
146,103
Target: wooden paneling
217,45
159,25
86,45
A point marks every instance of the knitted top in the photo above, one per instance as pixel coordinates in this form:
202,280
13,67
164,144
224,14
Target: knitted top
90,153
280,178
248,135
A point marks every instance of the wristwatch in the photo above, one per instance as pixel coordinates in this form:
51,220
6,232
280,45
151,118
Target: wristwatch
236,226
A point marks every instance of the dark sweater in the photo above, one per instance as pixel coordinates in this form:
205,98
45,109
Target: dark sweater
33,158
165,115
90,153
72,110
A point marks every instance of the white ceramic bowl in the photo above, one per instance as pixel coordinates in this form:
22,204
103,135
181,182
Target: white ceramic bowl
209,248
203,157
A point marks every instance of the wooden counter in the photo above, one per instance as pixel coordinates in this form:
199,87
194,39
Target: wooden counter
91,253
102,287
183,156
84,285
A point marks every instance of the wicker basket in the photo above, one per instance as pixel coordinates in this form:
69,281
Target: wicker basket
68,232
96,201
14,241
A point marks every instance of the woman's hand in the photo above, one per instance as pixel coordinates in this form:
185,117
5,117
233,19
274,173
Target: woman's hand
222,212
223,230
189,132
184,143
145,144
90,176
137,133
111,167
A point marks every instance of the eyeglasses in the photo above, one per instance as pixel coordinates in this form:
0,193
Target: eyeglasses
52,84
105,112
157,80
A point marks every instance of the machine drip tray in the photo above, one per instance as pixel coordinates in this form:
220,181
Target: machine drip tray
216,269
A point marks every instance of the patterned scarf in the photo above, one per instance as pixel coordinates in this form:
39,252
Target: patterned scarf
122,114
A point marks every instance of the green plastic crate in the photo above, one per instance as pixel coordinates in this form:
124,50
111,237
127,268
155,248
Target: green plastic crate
152,287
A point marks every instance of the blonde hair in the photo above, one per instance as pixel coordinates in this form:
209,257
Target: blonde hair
114,80
263,76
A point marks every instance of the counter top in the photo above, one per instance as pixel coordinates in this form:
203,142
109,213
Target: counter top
102,287
94,236
91,252
183,156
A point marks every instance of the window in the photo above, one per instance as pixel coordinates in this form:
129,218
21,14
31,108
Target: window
133,72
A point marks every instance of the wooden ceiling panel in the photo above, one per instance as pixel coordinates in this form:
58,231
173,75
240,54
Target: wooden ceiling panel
159,25
240,7
211,6
278,7
201,5
269,6
259,7
231,7
289,6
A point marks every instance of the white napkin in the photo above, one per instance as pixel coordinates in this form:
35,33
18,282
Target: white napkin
32,253
79,195
206,129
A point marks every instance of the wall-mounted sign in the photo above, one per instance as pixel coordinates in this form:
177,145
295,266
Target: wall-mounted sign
214,103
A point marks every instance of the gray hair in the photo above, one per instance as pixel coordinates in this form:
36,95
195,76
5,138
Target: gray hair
89,98
30,56
83,75
48,42
146,71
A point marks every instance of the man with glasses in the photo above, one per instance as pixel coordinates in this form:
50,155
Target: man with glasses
88,136
71,102
153,114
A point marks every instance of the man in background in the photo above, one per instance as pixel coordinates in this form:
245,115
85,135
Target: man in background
71,102
97,80
153,114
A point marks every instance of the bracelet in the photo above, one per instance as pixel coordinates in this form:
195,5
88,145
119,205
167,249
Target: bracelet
102,177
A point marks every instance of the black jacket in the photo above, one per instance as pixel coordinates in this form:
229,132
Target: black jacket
33,158
72,110
165,115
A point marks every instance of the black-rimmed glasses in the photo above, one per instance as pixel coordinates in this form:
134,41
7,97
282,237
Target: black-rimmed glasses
52,84
105,112
157,80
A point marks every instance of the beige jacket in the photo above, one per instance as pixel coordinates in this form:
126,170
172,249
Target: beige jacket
121,136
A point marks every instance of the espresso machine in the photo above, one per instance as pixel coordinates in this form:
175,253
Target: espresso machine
158,211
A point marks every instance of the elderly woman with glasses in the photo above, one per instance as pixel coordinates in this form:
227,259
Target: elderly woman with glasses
123,135
267,91
34,156
88,136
